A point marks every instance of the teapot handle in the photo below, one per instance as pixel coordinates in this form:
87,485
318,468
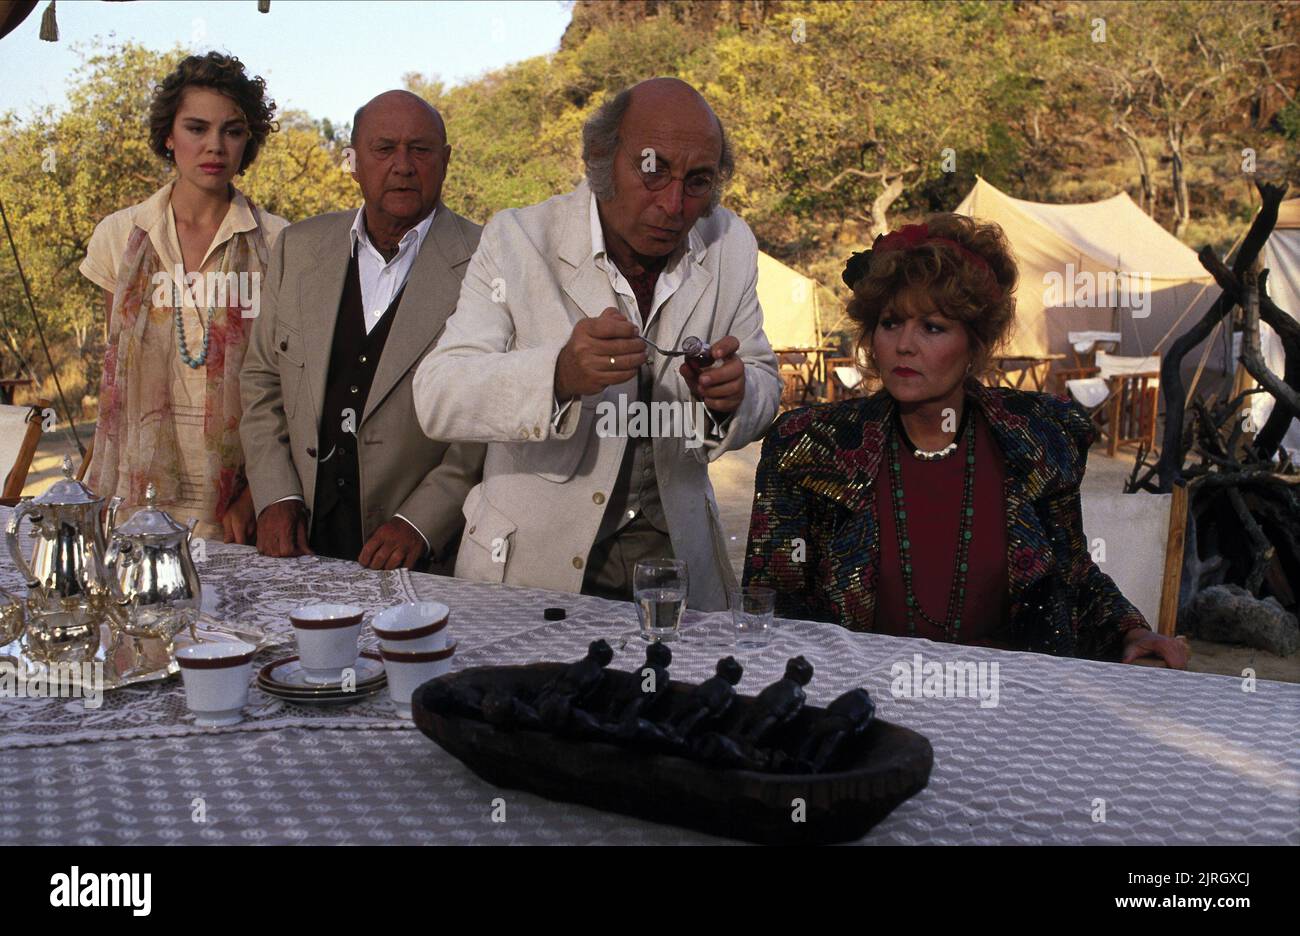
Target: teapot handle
11,538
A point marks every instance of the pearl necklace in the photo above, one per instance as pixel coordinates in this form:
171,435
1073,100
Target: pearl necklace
937,454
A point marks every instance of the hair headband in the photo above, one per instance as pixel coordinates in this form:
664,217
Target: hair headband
910,236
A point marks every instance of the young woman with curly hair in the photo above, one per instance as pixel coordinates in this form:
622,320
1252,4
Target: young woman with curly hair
180,273
939,507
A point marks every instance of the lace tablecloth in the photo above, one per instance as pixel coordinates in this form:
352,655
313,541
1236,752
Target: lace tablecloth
1072,751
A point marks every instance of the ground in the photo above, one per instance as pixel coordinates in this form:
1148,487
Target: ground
733,483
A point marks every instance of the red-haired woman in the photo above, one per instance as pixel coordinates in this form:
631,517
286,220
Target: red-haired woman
180,273
939,507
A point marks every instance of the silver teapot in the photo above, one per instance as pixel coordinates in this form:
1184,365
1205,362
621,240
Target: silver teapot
151,573
67,580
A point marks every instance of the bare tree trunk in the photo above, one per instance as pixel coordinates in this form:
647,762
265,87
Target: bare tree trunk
1182,202
1144,169
880,205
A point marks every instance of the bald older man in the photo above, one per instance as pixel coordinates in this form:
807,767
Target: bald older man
598,451
336,459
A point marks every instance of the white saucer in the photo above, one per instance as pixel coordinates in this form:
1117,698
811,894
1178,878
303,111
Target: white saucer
287,674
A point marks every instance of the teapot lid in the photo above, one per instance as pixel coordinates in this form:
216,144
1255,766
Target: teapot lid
67,492
150,520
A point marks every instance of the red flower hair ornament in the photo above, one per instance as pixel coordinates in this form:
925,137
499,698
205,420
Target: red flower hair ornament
909,237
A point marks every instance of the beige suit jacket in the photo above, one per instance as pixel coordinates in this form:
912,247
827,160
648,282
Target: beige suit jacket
285,370
535,516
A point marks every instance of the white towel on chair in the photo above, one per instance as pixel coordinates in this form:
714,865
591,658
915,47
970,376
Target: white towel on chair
849,376
1091,392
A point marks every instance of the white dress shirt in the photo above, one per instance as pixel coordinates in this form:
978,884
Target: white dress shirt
381,279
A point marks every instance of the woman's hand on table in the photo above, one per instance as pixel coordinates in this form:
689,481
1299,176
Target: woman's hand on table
240,520
1141,642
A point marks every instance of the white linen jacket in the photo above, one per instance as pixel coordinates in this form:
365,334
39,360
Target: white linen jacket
534,517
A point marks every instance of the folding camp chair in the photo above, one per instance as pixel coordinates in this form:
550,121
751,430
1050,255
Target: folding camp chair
1121,396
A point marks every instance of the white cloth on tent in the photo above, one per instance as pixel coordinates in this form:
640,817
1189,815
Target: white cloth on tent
789,303
1089,391
1067,256
1120,236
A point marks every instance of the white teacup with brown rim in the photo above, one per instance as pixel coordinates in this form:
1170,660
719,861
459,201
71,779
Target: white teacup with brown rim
216,677
414,627
407,671
327,640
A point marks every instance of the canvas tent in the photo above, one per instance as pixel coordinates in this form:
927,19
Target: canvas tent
790,307
1281,256
1102,266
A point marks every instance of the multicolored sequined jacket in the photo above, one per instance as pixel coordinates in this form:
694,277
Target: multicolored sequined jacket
814,485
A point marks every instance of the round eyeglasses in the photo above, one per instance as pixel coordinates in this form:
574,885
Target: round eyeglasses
655,176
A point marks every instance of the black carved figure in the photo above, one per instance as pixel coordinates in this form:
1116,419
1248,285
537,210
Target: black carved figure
776,705
574,686
709,701
844,720
645,693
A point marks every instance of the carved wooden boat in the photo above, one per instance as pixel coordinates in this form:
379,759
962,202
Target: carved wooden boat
882,768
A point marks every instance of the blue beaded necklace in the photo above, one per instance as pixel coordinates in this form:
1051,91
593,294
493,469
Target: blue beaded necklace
951,625
181,346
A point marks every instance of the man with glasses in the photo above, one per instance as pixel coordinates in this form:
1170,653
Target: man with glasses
599,445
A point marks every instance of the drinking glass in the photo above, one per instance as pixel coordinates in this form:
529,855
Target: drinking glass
659,586
752,612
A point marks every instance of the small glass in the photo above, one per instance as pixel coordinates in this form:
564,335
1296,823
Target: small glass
659,587
753,610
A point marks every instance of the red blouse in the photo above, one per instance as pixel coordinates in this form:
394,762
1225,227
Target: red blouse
932,492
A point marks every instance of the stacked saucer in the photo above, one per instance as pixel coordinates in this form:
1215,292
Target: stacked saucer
286,679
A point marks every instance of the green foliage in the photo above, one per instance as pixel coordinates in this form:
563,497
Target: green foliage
826,104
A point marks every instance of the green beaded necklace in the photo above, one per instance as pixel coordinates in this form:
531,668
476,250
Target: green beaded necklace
951,625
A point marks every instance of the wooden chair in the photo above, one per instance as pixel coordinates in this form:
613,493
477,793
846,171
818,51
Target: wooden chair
20,434
1138,540
1126,414
795,387
843,380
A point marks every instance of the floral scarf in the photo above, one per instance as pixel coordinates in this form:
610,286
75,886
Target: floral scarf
136,435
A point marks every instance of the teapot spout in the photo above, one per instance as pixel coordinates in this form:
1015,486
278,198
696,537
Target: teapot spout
110,516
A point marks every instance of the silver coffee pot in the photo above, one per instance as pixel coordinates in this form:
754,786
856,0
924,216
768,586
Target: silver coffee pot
67,580
152,574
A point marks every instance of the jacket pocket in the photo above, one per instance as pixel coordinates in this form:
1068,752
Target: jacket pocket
488,540
291,356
